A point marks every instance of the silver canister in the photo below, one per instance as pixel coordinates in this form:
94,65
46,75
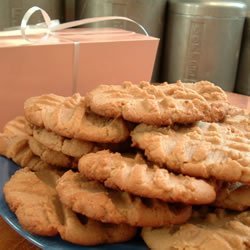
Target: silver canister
203,41
150,14
242,85
12,11
69,10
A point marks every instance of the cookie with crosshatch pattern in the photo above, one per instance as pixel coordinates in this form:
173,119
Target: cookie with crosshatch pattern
162,104
92,199
69,117
134,175
201,150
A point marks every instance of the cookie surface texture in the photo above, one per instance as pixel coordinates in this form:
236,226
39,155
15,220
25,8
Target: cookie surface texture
92,199
67,116
162,104
54,158
135,176
33,203
15,126
238,121
215,231
234,196
71,147
201,150
216,98
81,230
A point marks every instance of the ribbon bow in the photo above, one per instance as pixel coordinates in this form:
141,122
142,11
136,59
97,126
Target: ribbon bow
51,27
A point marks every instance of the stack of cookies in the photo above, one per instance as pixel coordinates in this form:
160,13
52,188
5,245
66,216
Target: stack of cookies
172,159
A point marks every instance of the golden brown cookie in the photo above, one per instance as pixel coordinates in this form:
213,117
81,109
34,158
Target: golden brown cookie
92,199
68,116
71,147
134,175
33,198
218,230
162,104
50,156
14,145
200,150
235,196
33,202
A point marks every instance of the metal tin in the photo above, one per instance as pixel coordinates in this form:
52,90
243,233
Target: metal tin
242,85
12,11
150,14
69,10
203,41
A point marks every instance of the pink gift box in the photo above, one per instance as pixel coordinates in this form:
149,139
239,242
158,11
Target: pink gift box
73,60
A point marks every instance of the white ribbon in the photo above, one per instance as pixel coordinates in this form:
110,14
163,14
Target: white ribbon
25,20
50,28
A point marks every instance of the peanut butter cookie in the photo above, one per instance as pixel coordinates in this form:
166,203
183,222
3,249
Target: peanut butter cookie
218,230
134,175
92,199
33,202
201,150
68,116
162,104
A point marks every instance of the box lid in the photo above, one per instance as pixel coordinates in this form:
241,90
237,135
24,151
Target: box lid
219,9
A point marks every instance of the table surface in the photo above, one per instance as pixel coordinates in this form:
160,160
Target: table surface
10,240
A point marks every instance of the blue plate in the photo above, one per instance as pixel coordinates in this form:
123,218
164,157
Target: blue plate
8,168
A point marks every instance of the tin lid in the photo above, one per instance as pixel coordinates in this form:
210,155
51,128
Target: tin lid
219,9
